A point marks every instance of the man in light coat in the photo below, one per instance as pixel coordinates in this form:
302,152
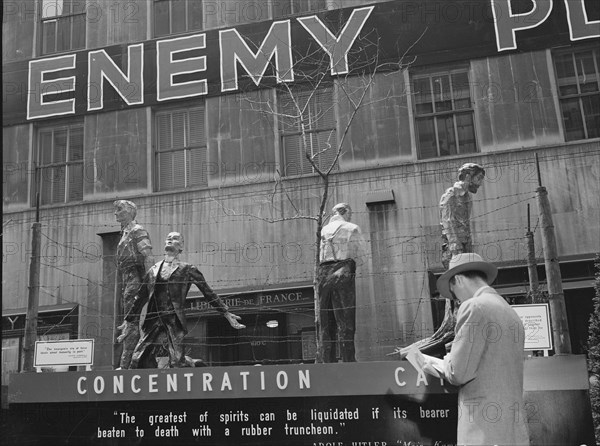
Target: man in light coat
486,359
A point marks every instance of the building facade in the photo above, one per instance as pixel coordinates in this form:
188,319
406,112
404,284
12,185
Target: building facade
200,112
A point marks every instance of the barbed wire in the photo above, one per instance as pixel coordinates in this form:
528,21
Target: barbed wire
584,154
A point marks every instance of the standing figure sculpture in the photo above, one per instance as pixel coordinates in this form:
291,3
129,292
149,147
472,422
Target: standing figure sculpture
165,288
341,246
133,260
455,218
455,212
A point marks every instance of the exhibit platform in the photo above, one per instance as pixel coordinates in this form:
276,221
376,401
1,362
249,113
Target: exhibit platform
370,403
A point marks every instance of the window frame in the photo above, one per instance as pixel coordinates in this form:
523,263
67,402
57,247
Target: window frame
40,167
579,96
56,19
430,73
185,149
170,13
316,130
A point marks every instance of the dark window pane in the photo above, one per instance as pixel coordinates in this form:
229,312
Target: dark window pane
197,134
423,96
77,6
446,136
49,36
566,90
46,177
76,144
195,15
45,148
67,7
196,167
161,18
591,111
281,8
442,93
300,6
178,17
179,129
572,119
585,64
466,132
295,162
317,5
57,184
325,144
76,182
164,167
426,138
164,131
63,38
461,92
564,66
59,154
78,32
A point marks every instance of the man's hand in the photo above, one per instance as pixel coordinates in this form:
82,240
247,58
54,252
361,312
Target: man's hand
233,320
126,328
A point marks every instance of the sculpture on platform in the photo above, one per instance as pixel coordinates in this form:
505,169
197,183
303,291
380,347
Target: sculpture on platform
164,288
341,246
455,219
134,257
455,212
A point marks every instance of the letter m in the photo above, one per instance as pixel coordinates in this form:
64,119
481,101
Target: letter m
235,49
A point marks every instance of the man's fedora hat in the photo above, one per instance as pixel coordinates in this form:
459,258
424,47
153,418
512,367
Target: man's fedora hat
459,263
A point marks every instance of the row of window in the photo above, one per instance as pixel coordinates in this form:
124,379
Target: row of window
443,114
63,22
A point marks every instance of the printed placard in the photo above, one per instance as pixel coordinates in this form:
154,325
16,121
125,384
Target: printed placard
71,352
536,321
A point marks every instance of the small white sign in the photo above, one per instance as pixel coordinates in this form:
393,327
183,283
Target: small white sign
64,352
536,321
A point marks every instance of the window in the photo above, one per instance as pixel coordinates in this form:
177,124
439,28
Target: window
63,25
177,16
10,358
314,109
443,114
60,162
181,153
283,8
578,79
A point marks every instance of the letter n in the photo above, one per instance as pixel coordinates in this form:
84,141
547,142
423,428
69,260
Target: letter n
130,87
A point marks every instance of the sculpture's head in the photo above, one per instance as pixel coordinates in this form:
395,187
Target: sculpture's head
344,210
125,211
174,243
472,176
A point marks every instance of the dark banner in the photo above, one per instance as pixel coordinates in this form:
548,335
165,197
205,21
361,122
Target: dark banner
384,36
373,420
350,404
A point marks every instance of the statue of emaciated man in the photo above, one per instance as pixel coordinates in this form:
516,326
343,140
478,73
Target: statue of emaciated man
455,219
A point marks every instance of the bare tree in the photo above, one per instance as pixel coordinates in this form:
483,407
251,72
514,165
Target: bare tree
296,108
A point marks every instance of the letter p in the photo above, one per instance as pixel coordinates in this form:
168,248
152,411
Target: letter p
506,23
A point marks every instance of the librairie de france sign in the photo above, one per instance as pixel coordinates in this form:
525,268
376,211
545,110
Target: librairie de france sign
264,54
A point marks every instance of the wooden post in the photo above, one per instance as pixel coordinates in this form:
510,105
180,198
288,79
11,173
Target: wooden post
33,297
556,297
534,282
